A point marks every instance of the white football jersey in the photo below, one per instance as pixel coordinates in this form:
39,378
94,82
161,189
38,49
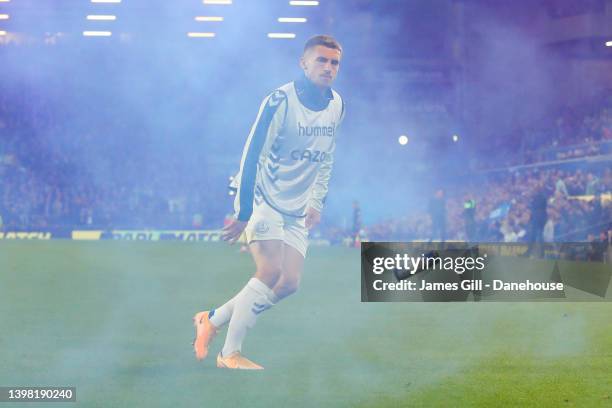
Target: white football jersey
288,156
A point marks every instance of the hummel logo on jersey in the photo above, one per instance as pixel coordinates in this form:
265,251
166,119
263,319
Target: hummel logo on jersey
316,130
275,98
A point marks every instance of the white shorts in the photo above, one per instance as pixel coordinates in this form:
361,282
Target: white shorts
266,224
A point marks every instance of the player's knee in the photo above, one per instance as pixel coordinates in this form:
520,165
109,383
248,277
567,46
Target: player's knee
292,288
289,287
269,274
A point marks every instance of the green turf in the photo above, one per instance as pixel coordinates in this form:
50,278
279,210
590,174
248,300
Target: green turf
114,320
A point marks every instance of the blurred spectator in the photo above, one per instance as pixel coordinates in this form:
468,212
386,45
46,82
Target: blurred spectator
560,186
437,212
357,223
592,184
469,217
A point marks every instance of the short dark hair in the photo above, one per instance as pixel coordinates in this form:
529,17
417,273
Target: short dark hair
324,40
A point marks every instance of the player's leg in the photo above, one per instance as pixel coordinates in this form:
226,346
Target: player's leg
286,271
293,265
207,324
278,274
256,297
295,247
266,271
265,228
242,310
268,256
279,265
265,236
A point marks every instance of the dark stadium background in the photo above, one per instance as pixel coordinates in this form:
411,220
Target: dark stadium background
142,129
502,105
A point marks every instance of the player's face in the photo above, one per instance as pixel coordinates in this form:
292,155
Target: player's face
320,64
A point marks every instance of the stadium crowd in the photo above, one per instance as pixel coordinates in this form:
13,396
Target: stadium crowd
56,172
572,132
55,175
577,132
500,206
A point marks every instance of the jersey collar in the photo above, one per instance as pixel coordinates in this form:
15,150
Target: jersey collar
310,96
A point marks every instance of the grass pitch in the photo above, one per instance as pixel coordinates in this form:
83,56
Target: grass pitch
114,320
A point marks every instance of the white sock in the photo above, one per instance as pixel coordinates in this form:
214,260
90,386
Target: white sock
221,315
250,302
